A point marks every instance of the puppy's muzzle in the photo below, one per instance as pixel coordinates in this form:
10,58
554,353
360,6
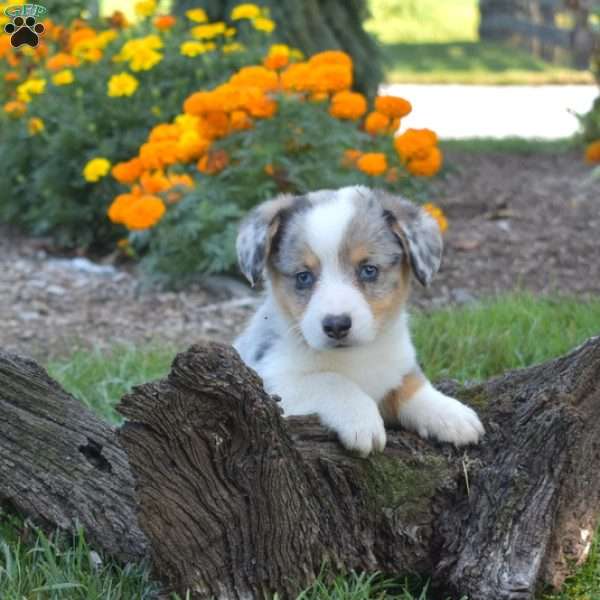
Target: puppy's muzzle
337,326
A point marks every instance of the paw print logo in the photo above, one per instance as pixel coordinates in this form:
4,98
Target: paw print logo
23,28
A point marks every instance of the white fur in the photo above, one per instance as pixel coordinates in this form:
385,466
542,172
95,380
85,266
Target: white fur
335,294
345,386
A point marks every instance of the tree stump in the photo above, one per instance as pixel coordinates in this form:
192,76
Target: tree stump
235,501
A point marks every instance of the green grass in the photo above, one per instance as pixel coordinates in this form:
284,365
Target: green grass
511,145
406,21
469,343
100,379
482,63
434,41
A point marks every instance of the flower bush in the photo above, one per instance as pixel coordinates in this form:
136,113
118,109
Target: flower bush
93,89
121,149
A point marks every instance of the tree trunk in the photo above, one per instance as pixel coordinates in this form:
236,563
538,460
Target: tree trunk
237,501
61,465
313,26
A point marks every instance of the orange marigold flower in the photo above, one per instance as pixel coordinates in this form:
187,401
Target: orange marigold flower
239,119
276,61
269,170
331,57
262,107
202,102
164,131
128,171
181,179
154,183
372,163
592,152
415,143
426,166
79,35
377,122
61,61
394,125
120,205
144,212
164,22
155,155
348,105
319,97
15,108
256,76
213,162
215,124
438,214
329,78
296,77
12,76
191,145
393,106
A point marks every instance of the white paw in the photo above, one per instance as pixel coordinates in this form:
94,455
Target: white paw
433,414
363,435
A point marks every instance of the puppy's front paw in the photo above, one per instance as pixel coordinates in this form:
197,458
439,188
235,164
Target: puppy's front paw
362,435
433,414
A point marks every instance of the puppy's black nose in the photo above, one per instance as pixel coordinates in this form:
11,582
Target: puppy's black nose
337,326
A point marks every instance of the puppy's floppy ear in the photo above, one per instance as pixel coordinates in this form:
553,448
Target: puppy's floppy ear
419,234
256,234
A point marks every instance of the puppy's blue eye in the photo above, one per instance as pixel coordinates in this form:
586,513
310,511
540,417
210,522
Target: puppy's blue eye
368,273
304,280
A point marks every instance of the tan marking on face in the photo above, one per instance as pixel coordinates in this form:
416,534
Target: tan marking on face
359,253
285,297
310,260
391,404
387,306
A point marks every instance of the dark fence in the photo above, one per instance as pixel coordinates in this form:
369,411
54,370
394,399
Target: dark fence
551,29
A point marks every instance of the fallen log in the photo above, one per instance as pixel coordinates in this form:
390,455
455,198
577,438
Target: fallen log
61,465
236,501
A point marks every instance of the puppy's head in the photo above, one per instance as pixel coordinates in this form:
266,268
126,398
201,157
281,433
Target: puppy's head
338,262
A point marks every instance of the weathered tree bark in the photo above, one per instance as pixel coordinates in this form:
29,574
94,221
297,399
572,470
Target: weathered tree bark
236,501
61,465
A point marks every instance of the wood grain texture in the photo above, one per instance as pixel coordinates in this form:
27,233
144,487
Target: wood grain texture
60,464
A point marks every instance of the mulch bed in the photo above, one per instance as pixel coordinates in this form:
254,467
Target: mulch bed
528,222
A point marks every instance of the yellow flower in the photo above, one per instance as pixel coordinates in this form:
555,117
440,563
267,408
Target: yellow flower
233,47
195,48
245,11
230,32
132,47
145,8
144,59
64,77
122,84
96,168
198,15
106,37
35,125
208,31
438,214
29,88
263,24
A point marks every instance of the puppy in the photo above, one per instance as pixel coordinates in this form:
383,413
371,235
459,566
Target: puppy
332,335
